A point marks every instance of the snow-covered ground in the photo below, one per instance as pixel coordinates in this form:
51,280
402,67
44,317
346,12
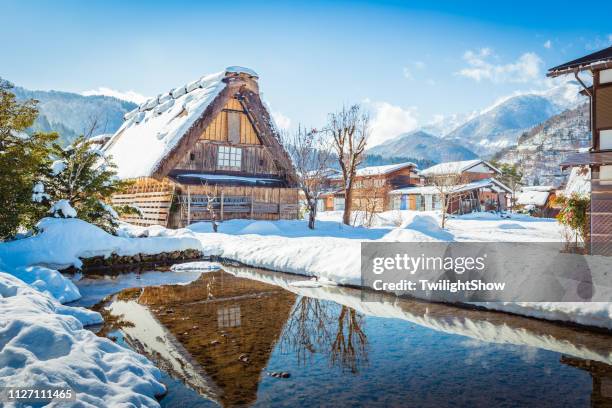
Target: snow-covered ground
43,342
31,309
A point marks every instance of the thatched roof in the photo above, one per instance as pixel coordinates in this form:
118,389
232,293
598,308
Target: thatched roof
161,130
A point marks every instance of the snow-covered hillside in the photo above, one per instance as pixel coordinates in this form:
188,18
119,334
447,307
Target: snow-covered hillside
540,151
500,125
70,114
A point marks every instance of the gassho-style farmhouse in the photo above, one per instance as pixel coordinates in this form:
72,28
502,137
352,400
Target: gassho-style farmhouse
206,149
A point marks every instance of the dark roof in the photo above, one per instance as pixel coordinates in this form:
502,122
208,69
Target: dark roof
586,159
604,55
213,179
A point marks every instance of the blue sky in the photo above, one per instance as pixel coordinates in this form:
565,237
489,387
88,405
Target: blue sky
410,61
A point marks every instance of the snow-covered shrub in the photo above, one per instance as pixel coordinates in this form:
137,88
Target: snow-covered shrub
79,183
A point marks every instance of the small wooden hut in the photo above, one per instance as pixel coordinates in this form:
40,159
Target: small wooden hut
208,149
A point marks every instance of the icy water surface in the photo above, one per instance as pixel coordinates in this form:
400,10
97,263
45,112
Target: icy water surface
229,337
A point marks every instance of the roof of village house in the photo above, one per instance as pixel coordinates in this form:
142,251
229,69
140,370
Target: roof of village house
456,167
379,170
600,57
459,188
532,197
578,182
537,188
154,129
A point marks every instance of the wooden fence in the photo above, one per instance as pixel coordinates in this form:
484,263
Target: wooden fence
151,198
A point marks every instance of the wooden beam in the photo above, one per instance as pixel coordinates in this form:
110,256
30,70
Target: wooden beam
222,199
188,205
252,201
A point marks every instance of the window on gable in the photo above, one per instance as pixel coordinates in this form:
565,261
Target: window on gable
229,158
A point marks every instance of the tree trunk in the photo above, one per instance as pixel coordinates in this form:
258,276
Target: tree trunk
312,212
312,215
348,204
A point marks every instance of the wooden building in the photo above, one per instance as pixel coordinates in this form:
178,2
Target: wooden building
471,181
371,187
539,201
479,195
599,157
206,149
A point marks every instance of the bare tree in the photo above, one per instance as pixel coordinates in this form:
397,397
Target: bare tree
311,154
449,190
349,129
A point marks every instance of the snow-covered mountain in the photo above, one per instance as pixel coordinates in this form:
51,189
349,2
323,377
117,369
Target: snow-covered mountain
500,125
422,145
540,150
71,114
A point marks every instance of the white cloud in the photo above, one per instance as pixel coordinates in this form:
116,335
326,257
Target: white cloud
547,44
408,74
126,96
413,66
389,121
282,121
525,69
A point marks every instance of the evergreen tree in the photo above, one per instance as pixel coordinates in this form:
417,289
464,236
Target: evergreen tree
23,158
80,181
511,176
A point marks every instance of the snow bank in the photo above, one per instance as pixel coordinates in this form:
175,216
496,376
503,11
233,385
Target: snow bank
62,242
48,281
333,253
43,344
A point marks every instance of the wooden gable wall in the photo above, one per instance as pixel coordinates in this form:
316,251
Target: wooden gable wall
218,130
203,156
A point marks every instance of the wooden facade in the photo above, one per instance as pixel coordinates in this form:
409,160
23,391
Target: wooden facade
229,164
599,158
371,188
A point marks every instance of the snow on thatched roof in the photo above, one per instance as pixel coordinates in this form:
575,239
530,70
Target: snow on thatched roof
456,167
151,131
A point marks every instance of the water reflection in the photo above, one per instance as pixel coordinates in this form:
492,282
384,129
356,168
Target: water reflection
226,331
319,327
601,375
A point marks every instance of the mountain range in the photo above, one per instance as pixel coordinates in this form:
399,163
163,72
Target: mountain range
533,130
424,146
71,114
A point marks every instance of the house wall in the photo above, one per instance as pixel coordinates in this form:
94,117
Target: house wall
230,128
191,203
601,176
371,193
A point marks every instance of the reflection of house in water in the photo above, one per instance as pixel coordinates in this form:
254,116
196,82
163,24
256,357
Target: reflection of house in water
601,373
226,326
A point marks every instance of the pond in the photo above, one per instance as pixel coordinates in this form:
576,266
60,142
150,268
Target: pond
247,337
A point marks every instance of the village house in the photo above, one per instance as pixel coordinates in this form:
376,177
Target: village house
539,201
371,187
599,158
470,184
208,149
